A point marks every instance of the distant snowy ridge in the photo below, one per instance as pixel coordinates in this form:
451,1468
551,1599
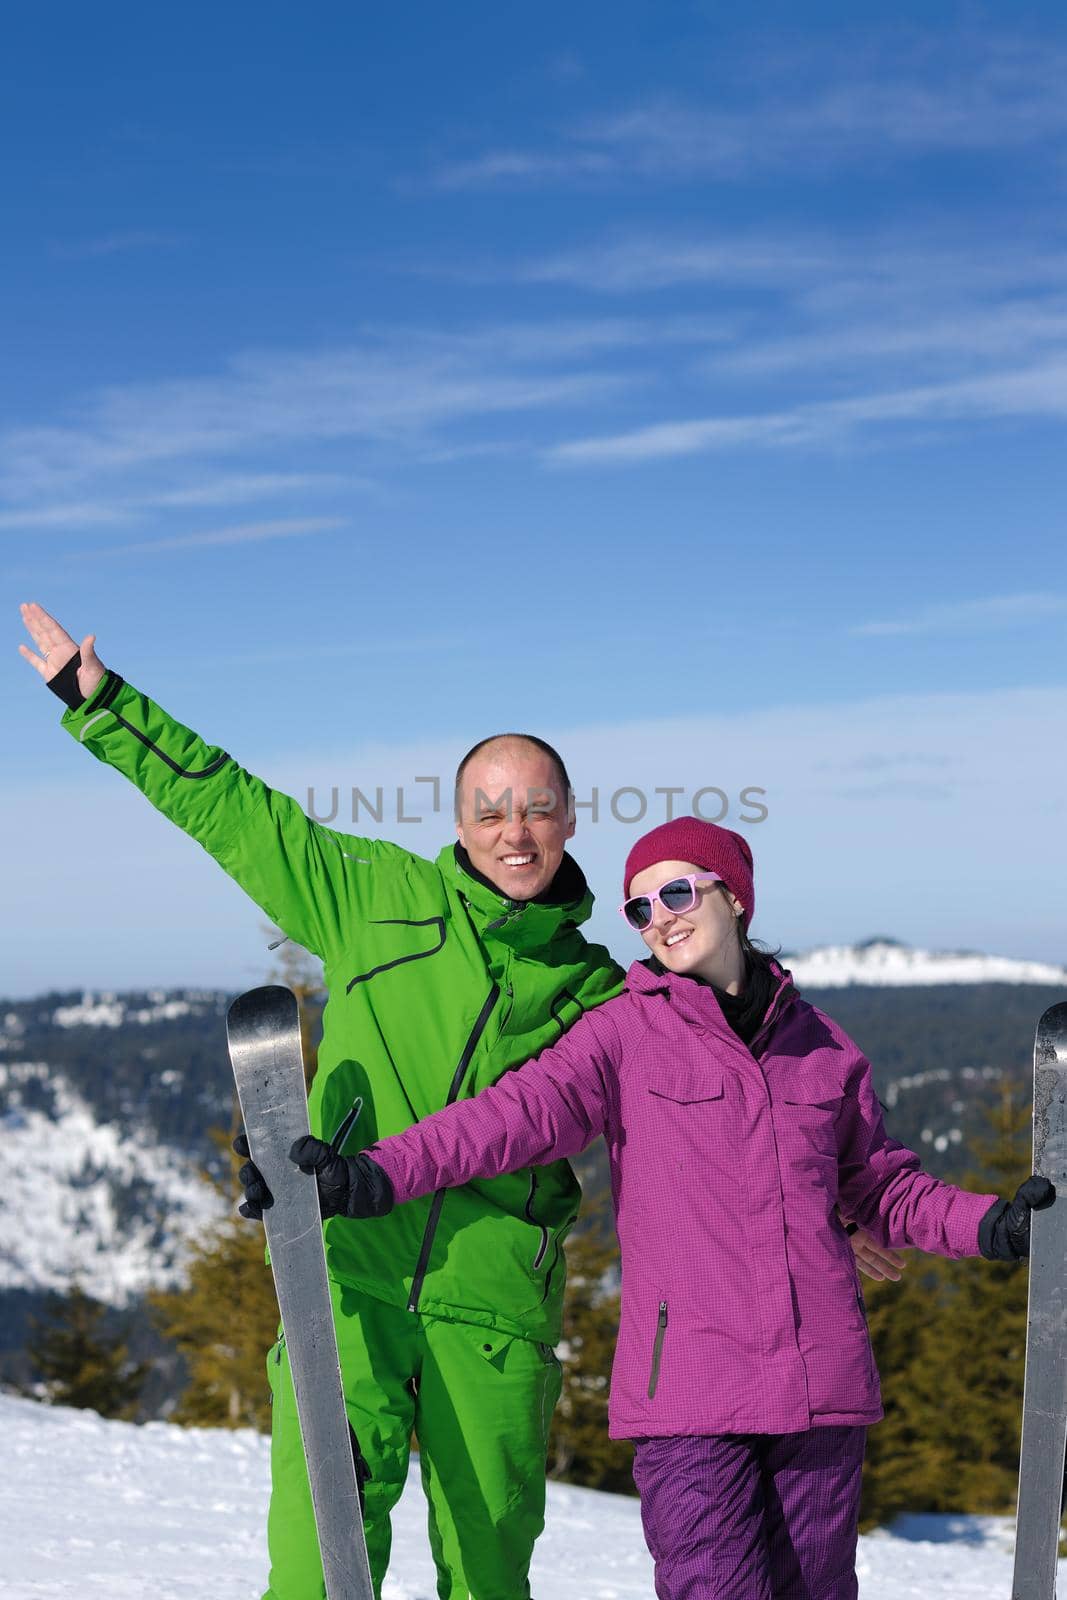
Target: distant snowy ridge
110,1010
884,962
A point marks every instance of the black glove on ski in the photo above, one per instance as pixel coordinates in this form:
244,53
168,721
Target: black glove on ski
349,1186
258,1197
1004,1231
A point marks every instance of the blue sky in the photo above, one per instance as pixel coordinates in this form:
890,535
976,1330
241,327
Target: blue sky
689,389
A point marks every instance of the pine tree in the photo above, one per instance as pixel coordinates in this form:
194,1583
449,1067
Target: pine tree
579,1448
223,1323
950,1341
80,1361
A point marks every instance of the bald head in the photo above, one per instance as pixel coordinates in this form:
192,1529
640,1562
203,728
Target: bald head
513,812
561,782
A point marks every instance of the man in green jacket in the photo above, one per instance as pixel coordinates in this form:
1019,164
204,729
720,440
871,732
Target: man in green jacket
441,975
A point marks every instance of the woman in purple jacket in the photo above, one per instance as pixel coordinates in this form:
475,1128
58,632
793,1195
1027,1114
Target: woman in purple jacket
741,1124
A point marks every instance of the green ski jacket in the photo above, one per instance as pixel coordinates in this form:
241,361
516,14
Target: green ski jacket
437,985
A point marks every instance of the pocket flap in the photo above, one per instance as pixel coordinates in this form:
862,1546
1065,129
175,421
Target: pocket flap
686,1085
802,1091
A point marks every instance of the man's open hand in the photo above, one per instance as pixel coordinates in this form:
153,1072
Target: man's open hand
54,648
874,1260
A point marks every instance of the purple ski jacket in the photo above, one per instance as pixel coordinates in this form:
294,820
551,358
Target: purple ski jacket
741,1304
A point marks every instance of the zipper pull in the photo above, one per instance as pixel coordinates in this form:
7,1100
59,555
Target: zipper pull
515,910
657,1349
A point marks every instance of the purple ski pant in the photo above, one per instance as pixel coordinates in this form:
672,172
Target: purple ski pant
754,1516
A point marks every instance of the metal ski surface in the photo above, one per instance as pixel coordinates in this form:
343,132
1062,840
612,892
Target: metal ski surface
263,1031
1044,1438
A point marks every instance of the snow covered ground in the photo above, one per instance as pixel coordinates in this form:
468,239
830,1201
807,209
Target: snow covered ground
107,1511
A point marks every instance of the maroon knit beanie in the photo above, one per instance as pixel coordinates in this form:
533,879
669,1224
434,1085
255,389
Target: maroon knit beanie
705,845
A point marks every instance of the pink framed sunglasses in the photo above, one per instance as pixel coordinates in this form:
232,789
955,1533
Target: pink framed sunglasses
678,894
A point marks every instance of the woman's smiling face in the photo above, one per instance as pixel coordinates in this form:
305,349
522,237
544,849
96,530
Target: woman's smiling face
702,941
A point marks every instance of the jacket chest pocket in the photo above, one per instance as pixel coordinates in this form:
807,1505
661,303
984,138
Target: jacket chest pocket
686,1086
810,1110
399,940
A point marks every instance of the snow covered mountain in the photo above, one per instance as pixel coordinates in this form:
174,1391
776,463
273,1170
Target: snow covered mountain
886,962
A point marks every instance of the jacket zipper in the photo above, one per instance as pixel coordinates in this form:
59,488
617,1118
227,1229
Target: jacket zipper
345,1126
439,1198
543,1246
657,1349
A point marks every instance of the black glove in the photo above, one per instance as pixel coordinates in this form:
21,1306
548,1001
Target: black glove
349,1186
1004,1231
258,1197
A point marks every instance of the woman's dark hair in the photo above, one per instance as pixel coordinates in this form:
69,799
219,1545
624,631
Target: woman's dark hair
527,738
754,951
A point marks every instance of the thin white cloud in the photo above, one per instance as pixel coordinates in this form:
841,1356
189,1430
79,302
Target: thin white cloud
637,263
508,167
241,533
925,338
1038,391
834,276
65,515
559,339
238,489
243,487
984,615
954,95
114,244
384,394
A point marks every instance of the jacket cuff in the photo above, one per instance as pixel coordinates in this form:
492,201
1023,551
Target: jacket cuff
987,1226
390,1164
64,683
76,717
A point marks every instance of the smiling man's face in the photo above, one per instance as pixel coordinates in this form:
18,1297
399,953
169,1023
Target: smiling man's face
513,821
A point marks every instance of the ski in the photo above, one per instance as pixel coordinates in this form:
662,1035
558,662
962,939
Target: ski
1044,1437
263,1033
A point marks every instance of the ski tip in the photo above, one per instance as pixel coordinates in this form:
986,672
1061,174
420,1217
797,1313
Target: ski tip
271,1002
1051,1034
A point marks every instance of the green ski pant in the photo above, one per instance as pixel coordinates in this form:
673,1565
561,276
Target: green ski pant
480,1402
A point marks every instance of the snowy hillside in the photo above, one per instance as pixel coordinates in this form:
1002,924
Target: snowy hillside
879,962
105,1105
97,1202
94,1510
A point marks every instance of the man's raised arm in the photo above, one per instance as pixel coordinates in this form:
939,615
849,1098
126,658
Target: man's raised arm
292,867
